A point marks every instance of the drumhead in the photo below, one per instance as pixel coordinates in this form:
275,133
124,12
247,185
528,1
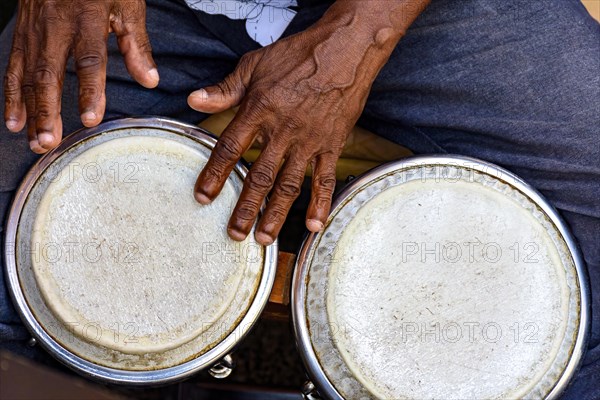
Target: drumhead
440,277
121,269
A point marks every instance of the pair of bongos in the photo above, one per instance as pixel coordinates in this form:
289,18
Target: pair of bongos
434,277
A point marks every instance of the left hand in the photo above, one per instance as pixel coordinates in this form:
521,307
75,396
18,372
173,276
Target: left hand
300,98
47,33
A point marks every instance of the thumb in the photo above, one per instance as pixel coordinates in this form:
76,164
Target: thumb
226,94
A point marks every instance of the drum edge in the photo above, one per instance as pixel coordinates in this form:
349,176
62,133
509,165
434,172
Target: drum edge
298,295
94,371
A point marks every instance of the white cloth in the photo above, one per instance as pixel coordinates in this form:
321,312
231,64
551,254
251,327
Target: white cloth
266,20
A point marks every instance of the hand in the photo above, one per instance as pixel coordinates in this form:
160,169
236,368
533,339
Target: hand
46,33
299,97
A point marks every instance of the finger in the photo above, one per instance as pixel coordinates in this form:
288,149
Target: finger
90,57
286,190
48,82
228,93
234,141
29,96
14,104
134,43
257,185
323,185
28,91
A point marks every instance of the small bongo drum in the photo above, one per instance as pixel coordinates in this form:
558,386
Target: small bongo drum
115,268
440,277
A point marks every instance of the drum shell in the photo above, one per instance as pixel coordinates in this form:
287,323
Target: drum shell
318,375
78,363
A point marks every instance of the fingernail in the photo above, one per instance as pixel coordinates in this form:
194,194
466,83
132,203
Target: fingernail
202,198
314,225
263,238
153,74
199,94
45,140
12,124
34,145
88,117
236,235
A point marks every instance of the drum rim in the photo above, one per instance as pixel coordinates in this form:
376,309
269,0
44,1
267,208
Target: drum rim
298,292
88,368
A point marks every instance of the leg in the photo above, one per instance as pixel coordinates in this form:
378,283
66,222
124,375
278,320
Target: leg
188,57
515,83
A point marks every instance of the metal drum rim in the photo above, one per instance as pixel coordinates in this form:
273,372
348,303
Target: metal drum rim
298,292
92,370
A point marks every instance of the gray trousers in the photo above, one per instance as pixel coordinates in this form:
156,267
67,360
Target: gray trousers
512,82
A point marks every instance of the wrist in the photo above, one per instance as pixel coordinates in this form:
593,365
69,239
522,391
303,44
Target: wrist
368,28
374,15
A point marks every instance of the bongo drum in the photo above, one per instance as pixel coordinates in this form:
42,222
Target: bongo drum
440,277
115,268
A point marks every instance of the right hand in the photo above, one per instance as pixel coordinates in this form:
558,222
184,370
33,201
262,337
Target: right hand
46,33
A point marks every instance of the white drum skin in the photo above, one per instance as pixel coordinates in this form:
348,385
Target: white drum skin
119,272
146,271
431,284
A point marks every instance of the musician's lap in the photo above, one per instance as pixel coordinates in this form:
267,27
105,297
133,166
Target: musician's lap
513,84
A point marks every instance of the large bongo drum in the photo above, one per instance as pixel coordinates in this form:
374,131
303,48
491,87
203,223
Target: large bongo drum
439,278
115,268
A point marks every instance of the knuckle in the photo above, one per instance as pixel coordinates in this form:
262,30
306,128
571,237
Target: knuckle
289,184
10,102
229,148
42,113
325,183
320,204
89,93
275,215
55,13
12,84
45,74
246,210
89,61
92,13
288,189
260,179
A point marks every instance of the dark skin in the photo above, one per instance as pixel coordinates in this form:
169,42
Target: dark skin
299,97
